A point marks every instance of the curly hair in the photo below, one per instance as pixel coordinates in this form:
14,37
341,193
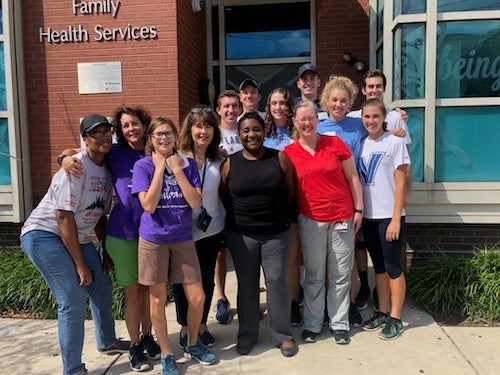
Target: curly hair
270,125
338,82
207,117
139,112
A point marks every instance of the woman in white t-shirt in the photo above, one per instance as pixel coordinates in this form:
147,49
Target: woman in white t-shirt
382,165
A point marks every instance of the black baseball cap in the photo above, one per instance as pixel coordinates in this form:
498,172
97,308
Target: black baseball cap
249,81
92,121
308,68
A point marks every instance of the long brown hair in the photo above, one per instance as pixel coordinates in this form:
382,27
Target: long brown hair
270,128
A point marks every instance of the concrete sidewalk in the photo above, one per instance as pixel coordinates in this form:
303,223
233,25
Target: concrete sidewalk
31,347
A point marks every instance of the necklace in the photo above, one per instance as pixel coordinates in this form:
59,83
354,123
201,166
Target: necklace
197,156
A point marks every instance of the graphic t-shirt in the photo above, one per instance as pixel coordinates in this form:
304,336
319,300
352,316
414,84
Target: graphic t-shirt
126,213
378,160
87,196
172,220
230,140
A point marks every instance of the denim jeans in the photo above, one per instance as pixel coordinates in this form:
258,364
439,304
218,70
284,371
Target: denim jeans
49,255
326,250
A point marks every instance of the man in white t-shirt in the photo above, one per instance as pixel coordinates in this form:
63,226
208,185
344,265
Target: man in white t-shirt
373,87
229,109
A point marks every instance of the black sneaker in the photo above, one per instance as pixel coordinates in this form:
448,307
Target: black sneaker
138,361
392,329
341,336
375,300
295,315
207,340
222,314
362,298
355,318
309,336
153,351
378,320
118,347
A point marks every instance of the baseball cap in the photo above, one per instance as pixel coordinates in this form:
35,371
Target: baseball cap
92,121
308,68
249,81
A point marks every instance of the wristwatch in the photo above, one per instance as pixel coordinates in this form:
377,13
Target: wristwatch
358,211
60,158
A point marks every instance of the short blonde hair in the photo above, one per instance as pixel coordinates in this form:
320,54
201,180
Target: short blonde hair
338,82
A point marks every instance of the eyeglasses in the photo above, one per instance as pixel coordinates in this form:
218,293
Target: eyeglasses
158,135
303,121
97,134
202,109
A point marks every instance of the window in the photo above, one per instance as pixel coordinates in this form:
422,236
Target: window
409,6
461,5
467,144
468,59
409,61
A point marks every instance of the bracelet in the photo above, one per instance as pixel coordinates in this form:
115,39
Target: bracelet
60,158
358,211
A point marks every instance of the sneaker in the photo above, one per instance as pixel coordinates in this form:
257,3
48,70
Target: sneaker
362,298
309,336
138,361
83,371
341,336
375,300
183,340
295,315
118,347
168,365
207,340
200,353
378,320
355,318
222,314
392,329
153,351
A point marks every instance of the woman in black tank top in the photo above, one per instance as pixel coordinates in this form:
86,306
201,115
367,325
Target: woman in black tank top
256,188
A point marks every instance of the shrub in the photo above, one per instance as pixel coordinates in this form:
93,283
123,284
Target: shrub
458,286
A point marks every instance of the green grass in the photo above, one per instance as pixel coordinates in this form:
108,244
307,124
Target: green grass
460,286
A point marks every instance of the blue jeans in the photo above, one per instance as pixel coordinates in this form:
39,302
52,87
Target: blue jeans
49,255
327,253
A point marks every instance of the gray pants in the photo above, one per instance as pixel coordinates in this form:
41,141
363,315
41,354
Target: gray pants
326,250
249,253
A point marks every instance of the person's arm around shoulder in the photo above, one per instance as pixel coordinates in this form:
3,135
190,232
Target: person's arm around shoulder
191,194
223,188
394,227
72,166
149,199
351,174
288,169
69,235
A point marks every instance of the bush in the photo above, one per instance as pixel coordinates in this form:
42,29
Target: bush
24,291
458,286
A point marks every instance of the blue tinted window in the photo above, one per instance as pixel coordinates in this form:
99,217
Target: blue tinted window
409,61
461,5
468,59
263,31
409,6
5,178
467,144
3,92
416,128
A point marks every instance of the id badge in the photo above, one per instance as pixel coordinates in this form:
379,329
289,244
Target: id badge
341,226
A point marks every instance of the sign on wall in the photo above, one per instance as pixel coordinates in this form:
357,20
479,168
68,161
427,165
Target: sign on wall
100,77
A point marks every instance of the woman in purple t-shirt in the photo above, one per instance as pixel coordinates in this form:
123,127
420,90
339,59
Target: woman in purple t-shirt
168,187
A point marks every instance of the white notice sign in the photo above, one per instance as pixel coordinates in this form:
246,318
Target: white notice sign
100,77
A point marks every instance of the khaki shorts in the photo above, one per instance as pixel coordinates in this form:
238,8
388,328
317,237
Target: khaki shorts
176,263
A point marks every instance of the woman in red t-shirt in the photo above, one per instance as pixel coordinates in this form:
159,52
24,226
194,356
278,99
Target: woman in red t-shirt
330,207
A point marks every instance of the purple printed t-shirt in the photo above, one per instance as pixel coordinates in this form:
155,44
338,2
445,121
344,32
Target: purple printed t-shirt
126,214
172,220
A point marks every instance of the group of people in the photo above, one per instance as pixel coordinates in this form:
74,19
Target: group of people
285,191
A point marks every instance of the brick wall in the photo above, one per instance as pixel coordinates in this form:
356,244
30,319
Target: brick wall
342,26
149,73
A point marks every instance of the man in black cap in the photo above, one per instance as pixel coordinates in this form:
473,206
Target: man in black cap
308,82
250,96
